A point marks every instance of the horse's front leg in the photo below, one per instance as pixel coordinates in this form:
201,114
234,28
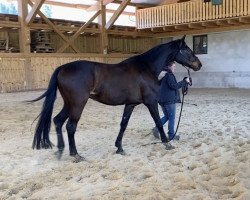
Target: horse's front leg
153,109
125,118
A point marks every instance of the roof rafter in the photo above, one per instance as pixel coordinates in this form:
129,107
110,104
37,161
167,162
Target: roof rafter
117,14
32,14
79,31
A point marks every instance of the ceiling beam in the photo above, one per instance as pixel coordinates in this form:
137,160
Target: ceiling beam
32,14
203,31
97,5
80,30
117,14
80,6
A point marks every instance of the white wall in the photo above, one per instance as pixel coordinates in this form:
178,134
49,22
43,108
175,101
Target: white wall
227,63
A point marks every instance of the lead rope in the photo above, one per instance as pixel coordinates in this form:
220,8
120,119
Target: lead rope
184,93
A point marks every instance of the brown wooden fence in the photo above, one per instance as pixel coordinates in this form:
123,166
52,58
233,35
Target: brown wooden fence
192,11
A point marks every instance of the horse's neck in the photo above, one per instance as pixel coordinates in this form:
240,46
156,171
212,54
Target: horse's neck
158,57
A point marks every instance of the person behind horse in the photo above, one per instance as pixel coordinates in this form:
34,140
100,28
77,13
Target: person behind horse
168,97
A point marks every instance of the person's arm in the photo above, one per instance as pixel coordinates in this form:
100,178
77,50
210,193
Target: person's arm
161,75
175,85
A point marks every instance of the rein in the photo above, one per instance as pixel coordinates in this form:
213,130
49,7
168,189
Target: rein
184,92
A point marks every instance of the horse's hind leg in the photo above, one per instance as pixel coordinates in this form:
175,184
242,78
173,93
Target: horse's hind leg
74,116
59,121
125,118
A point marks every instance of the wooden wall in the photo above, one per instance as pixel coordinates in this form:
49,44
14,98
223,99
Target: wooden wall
19,72
91,44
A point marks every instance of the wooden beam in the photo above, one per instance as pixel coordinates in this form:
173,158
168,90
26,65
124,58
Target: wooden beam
55,28
234,21
9,24
24,31
222,23
181,27
116,14
80,30
97,5
32,14
244,20
168,28
103,35
209,24
203,31
80,6
195,26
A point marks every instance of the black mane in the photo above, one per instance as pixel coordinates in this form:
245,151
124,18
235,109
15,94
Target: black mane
157,57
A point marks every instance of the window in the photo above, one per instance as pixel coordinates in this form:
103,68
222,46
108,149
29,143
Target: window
200,44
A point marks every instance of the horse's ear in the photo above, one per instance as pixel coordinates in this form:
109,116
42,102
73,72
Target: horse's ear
182,40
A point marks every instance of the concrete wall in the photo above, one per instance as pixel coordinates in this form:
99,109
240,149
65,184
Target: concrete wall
227,63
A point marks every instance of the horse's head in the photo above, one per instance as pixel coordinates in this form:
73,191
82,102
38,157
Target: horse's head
186,56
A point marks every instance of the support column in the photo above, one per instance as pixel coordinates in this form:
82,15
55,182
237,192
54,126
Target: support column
103,35
24,31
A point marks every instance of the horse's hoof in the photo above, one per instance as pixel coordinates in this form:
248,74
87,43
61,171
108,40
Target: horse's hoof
59,153
121,152
78,158
168,146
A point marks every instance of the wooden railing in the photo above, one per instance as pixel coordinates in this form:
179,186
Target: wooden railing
192,11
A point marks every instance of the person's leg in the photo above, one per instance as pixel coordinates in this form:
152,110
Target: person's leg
171,110
164,119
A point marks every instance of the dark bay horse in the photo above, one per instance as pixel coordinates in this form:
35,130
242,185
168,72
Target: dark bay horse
130,82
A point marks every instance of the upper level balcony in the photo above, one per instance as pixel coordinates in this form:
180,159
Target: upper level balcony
195,15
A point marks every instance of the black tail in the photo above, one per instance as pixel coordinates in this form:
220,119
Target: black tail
41,137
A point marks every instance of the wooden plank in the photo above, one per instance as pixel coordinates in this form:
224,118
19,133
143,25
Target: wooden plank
234,7
237,7
171,14
245,7
206,11
32,14
203,11
216,11
223,8
210,10
200,10
191,12
220,11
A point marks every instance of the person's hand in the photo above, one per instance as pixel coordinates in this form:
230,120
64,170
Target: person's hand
187,79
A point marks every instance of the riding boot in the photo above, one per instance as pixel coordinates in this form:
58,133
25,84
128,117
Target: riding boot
176,137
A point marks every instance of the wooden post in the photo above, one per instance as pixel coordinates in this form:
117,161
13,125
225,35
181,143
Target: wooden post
103,35
24,31
24,41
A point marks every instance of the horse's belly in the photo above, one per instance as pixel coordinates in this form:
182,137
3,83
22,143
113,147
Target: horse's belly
116,97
